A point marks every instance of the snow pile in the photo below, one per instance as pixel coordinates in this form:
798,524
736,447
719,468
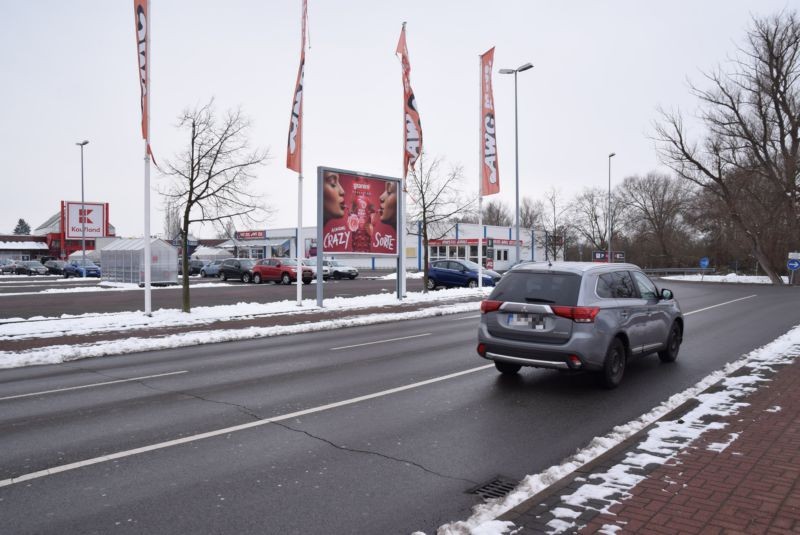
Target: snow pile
409,275
662,442
730,278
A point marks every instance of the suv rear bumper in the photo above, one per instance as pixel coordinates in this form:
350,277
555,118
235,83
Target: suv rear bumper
589,350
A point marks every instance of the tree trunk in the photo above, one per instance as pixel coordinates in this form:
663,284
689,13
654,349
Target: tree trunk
425,255
186,305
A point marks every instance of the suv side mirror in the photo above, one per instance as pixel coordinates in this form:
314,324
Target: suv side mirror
666,294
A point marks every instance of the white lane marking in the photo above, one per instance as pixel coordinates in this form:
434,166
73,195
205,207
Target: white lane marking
92,385
232,429
465,318
381,341
719,305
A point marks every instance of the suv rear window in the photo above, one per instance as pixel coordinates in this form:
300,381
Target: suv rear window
547,288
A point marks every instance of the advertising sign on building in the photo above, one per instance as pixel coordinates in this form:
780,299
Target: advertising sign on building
88,219
251,234
359,213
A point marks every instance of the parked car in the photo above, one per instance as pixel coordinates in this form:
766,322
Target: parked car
237,268
578,316
7,265
283,270
194,267
45,259
453,272
55,267
76,268
211,268
340,270
311,263
30,267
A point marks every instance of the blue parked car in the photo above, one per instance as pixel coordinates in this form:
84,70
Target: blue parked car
211,269
77,269
450,273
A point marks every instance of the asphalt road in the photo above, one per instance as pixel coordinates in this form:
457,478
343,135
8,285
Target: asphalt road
22,297
396,462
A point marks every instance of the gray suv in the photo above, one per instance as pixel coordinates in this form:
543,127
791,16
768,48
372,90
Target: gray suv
578,316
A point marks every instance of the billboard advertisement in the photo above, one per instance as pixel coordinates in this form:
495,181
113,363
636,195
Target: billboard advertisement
359,213
88,217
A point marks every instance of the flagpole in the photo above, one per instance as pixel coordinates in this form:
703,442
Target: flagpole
401,232
299,267
147,253
481,142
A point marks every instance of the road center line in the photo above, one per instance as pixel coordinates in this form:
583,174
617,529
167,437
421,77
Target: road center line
92,385
718,305
465,318
232,429
381,341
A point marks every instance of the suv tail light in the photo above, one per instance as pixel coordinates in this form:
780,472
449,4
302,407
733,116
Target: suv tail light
490,306
577,314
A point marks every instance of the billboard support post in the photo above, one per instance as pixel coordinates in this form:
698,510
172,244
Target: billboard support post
320,278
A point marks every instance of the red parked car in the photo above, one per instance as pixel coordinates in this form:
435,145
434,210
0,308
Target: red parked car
283,270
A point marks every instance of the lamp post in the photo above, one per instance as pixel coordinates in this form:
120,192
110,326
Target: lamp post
608,215
516,151
82,216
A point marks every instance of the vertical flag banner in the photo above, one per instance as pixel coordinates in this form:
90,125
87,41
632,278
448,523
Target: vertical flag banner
412,129
490,172
294,147
141,14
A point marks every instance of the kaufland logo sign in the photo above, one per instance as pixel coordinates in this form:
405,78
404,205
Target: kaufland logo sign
87,219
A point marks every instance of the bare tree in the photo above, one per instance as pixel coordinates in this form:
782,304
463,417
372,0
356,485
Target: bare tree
589,212
495,212
436,201
210,179
226,230
555,222
172,220
656,204
530,213
750,155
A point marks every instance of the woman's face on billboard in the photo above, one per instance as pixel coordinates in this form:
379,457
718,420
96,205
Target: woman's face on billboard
333,197
388,204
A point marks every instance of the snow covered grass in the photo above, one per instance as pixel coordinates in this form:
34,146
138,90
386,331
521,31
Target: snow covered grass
663,441
409,275
133,321
732,278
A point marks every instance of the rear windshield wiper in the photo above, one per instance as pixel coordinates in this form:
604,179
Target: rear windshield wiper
538,300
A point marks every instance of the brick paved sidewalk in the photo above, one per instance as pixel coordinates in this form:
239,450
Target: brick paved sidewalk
751,486
740,477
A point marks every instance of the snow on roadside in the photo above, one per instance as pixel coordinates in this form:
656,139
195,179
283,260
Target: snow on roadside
730,278
661,443
409,275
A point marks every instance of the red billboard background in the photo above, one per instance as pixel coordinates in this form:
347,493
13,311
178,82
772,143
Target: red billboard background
359,214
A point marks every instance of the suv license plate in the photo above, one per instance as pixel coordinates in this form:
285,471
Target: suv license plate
534,321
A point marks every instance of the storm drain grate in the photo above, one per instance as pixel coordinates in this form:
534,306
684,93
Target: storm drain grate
499,487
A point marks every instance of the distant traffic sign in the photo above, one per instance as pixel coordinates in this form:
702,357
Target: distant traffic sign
793,264
704,262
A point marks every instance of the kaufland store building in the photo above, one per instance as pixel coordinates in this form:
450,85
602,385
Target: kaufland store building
60,235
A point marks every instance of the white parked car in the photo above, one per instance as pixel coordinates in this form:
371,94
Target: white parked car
311,263
340,270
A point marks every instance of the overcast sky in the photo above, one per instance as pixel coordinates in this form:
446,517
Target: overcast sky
601,70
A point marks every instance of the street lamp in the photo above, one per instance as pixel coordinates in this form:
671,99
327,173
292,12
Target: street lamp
82,217
516,149
608,215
